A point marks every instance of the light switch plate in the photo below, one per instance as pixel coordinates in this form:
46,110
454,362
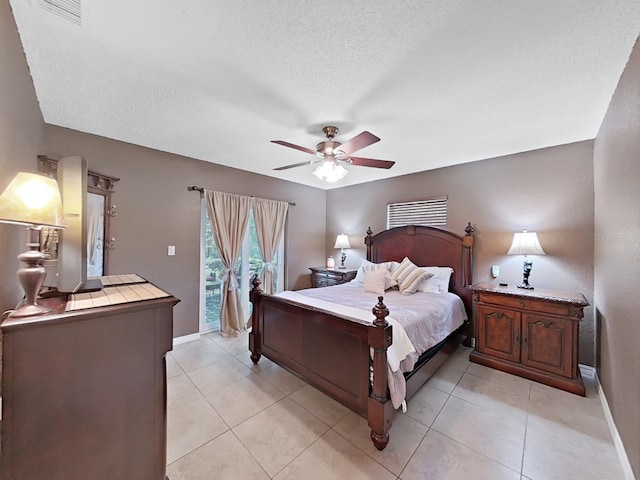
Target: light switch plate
495,271
171,250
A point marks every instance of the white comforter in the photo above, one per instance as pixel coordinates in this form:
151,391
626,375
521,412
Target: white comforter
419,321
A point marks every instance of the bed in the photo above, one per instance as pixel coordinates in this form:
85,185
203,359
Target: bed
346,357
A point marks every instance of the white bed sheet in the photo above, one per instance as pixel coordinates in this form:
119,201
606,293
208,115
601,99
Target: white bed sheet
419,321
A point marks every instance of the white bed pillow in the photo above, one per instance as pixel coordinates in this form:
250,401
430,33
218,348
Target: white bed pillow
409,276
366,265
360,273
430,285
377,281
439,282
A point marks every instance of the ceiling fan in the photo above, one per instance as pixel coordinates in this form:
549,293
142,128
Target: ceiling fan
332,155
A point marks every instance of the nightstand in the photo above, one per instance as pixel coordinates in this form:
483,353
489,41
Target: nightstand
530,333
325,277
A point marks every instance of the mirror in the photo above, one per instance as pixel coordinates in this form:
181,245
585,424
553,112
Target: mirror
95,234
99,213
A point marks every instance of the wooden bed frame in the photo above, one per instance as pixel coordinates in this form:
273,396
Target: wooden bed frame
334,355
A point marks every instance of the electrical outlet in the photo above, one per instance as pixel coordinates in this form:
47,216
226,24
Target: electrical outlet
495,271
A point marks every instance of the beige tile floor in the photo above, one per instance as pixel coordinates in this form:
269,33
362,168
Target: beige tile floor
231,420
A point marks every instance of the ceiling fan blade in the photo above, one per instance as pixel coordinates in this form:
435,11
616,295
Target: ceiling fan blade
361,140
297,147
370,162
286,167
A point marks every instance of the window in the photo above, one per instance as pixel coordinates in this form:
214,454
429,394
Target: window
249,262
431,212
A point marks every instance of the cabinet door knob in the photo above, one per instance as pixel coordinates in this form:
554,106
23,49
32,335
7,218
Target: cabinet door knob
517,338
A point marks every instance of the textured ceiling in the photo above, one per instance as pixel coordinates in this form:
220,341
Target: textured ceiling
441,82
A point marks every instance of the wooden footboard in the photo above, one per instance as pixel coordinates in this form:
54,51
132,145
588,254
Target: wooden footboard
331,352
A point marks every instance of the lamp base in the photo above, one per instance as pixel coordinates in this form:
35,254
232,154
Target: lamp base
528,265
31,277
343,257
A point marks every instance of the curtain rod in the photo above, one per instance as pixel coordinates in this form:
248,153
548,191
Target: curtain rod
193,188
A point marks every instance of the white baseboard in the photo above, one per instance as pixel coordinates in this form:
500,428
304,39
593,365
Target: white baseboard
186,338
590,372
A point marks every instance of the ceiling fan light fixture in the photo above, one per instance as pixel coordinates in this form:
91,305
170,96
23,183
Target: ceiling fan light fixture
334,153
330,171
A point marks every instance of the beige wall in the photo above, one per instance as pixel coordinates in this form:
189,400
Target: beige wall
549,191
617,256
156,210
20,131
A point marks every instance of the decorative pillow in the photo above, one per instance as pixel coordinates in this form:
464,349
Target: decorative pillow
360,272
440,279
366,265
409,276
376,281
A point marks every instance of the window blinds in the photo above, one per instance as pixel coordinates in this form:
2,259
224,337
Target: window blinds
431,212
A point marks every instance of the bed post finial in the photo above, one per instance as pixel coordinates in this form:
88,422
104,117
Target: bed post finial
469,230
367,242
380,311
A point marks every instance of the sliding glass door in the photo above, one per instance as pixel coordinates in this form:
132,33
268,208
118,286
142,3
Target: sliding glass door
212,272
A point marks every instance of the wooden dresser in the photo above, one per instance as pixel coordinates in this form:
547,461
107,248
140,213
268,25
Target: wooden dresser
325,277
84,390
530,333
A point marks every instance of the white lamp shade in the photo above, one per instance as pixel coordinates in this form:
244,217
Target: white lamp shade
32,199
525,243
330,171
342,241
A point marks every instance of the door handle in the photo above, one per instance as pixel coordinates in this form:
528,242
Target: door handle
111,244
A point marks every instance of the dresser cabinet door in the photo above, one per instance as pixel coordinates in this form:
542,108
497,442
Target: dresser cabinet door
547,343
498,332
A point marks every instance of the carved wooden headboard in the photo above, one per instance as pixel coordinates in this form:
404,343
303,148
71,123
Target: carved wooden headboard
428,247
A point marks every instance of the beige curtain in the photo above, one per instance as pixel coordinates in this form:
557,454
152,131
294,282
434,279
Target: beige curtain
270,217
229,216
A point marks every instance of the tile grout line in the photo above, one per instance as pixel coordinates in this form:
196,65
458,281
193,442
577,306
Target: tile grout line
204,397
369,456
526,428
476,451
249,452
484,407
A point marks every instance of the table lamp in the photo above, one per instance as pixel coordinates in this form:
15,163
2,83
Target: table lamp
342,242
526,243
32,200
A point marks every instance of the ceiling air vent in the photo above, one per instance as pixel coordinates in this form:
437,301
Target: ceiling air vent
67,9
